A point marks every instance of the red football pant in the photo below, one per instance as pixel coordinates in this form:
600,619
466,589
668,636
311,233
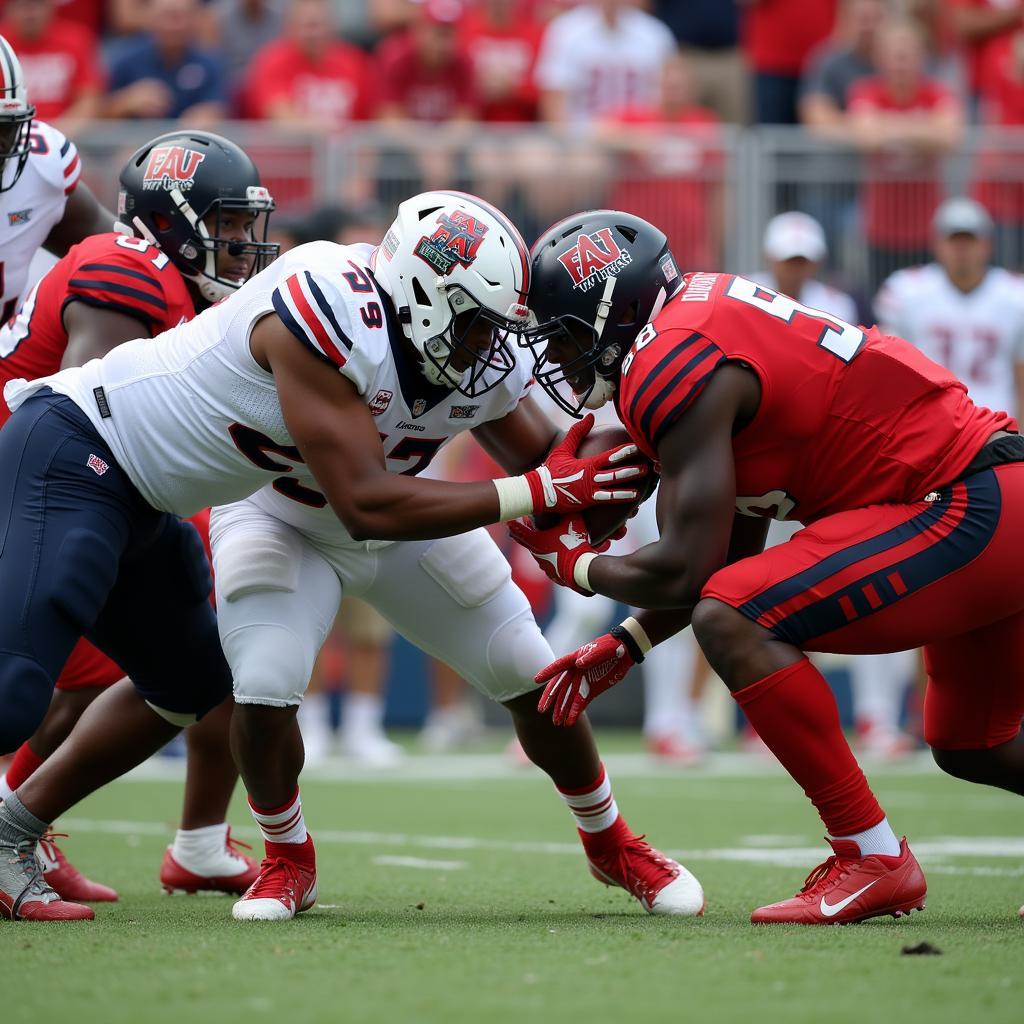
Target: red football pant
946,575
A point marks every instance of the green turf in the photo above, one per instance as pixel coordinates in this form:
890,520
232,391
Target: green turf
520,932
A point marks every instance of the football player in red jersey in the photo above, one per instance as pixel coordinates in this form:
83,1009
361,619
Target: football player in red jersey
755,406
196,205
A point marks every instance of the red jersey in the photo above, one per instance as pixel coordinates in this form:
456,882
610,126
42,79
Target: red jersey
335,88
115,272
779,34
902,190
503,57
848,417
59,65
423,93
980,52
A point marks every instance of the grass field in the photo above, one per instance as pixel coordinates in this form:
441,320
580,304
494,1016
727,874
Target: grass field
454,891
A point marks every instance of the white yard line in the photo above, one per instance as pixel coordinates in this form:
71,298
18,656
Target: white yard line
932,852
420,862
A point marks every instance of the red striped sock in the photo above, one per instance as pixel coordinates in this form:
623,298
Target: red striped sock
282,824
794,712
25,762
594,806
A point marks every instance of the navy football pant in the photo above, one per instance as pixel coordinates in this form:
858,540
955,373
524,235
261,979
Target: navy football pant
82,554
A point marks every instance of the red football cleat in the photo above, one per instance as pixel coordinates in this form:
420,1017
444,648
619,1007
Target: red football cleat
283,889
65,879
662,885
671,749
217,876
24,896
848,887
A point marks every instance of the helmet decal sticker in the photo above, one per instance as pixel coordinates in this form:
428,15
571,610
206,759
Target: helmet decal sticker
171,167
594,258
455,240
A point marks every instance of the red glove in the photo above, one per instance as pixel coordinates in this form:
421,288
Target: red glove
558,548
575,679
567,484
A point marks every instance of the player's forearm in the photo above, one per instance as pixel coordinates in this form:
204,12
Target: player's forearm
660,625
649,578
405,508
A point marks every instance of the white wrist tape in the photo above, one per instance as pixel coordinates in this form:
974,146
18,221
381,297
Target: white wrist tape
581,571
637,632
514,498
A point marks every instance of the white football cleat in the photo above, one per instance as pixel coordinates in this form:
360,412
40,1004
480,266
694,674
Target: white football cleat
283,889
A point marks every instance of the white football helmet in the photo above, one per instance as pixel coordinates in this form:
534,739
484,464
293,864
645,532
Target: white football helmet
16,115
457,271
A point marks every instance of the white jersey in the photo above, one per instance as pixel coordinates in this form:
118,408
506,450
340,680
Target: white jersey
817,295
195,421
978,335
30,210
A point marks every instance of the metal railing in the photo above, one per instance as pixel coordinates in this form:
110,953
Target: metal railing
713,190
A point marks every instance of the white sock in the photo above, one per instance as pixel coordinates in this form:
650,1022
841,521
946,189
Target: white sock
283,824
198,844
879,838
363,713
594,808
5,790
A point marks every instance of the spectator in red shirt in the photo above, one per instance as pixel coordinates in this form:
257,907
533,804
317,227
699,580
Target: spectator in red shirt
904,122
61,63
1000,182
979,25
309,78
423,74
672,166
778,36
502,40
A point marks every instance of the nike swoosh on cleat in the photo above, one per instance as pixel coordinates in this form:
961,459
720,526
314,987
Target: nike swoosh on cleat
830,910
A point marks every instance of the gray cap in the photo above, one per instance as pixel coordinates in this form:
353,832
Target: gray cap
962,216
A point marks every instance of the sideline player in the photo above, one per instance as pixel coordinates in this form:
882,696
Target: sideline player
43,202
756,406
274,391
109,289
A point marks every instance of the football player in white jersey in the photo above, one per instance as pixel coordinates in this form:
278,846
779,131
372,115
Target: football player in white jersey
43,204
960,311
329,379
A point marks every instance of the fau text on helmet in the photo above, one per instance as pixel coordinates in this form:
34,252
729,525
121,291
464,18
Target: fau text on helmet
593,258
171,167
456,239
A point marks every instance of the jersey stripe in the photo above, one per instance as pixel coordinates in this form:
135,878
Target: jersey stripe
113,268
95,285
672,385
325,309
72,167
293,307
149,320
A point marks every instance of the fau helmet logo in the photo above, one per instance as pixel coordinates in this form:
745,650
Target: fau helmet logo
171,167
594,258
455,240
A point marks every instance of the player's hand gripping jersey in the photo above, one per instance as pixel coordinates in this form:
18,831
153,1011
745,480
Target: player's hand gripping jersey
195,421
848,417
114,272
33,207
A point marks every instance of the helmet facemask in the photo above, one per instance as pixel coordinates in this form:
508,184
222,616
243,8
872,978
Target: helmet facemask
485,368
201,249
15,146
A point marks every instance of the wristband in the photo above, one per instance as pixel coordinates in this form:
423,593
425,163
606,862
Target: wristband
581,571
514,497
635,637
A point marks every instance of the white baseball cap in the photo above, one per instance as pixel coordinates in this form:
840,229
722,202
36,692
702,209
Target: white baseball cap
962,216
794,234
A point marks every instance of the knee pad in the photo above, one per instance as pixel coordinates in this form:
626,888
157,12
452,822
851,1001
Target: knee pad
254,559
85,572
516,653
25,690
270,665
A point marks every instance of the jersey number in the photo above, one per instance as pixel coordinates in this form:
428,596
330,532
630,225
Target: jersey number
358,280
843,340
159,260
257,448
